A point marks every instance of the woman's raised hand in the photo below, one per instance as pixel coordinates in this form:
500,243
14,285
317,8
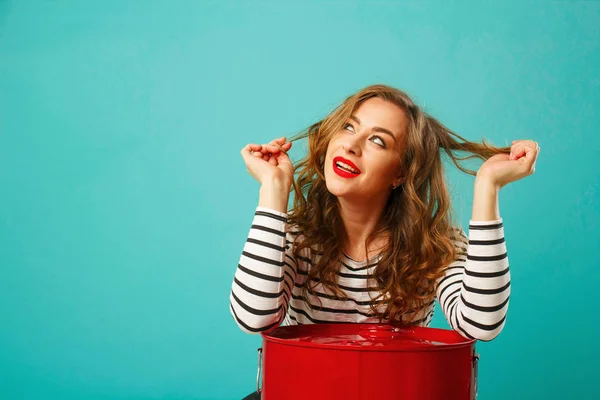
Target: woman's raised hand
269,162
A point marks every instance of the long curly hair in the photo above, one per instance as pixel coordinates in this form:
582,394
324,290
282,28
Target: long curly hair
417,218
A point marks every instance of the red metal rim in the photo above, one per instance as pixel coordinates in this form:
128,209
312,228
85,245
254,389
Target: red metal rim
445,339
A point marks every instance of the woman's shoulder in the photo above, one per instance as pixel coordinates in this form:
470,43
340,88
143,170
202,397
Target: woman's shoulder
457,232
459,238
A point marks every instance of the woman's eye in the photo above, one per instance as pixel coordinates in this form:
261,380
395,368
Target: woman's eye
374,137
380,139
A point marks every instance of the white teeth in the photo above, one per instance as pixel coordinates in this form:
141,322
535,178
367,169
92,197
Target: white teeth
346,167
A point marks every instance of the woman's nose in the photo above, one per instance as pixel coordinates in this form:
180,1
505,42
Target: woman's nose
351,145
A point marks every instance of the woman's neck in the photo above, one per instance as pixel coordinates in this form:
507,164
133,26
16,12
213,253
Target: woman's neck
360,220
356,251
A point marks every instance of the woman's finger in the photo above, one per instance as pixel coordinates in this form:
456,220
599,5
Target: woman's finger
251,147
514,151
517,146
517,149
278,142
273,147
267,148
273,160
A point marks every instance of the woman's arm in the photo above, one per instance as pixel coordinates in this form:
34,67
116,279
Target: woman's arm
266,271
475,290
474,293
485,200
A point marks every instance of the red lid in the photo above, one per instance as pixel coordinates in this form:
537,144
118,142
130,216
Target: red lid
371,337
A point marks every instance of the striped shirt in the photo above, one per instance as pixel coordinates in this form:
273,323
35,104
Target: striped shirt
267,287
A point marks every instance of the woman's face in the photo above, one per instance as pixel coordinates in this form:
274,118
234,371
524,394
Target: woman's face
371,143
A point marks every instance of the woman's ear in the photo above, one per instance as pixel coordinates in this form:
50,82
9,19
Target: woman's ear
397,182
399,179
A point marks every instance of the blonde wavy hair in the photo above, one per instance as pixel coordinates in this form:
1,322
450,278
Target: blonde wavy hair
418,218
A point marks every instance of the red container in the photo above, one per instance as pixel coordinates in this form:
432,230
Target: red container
366,361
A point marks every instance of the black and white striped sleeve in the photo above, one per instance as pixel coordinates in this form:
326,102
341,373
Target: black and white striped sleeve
475,289
265,274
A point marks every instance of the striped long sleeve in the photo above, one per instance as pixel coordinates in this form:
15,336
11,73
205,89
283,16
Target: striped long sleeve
267,287
265,274
474,292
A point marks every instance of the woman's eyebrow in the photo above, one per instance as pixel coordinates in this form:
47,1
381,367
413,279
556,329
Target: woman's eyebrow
375,128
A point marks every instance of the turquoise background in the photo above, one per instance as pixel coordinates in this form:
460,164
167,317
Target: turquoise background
125,203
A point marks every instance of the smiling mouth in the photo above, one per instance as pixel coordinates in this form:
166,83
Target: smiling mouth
344,170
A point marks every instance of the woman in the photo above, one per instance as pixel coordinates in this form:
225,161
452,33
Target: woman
371,236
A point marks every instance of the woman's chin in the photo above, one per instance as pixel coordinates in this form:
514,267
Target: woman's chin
339,189
340,186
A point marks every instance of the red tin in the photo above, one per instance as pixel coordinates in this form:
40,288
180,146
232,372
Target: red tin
366,361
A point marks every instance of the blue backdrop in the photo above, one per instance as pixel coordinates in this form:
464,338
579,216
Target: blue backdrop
125,203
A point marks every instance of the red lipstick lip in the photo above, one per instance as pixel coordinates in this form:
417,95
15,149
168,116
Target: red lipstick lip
350,163
344,173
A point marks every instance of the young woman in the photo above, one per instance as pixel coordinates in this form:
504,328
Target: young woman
371,236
